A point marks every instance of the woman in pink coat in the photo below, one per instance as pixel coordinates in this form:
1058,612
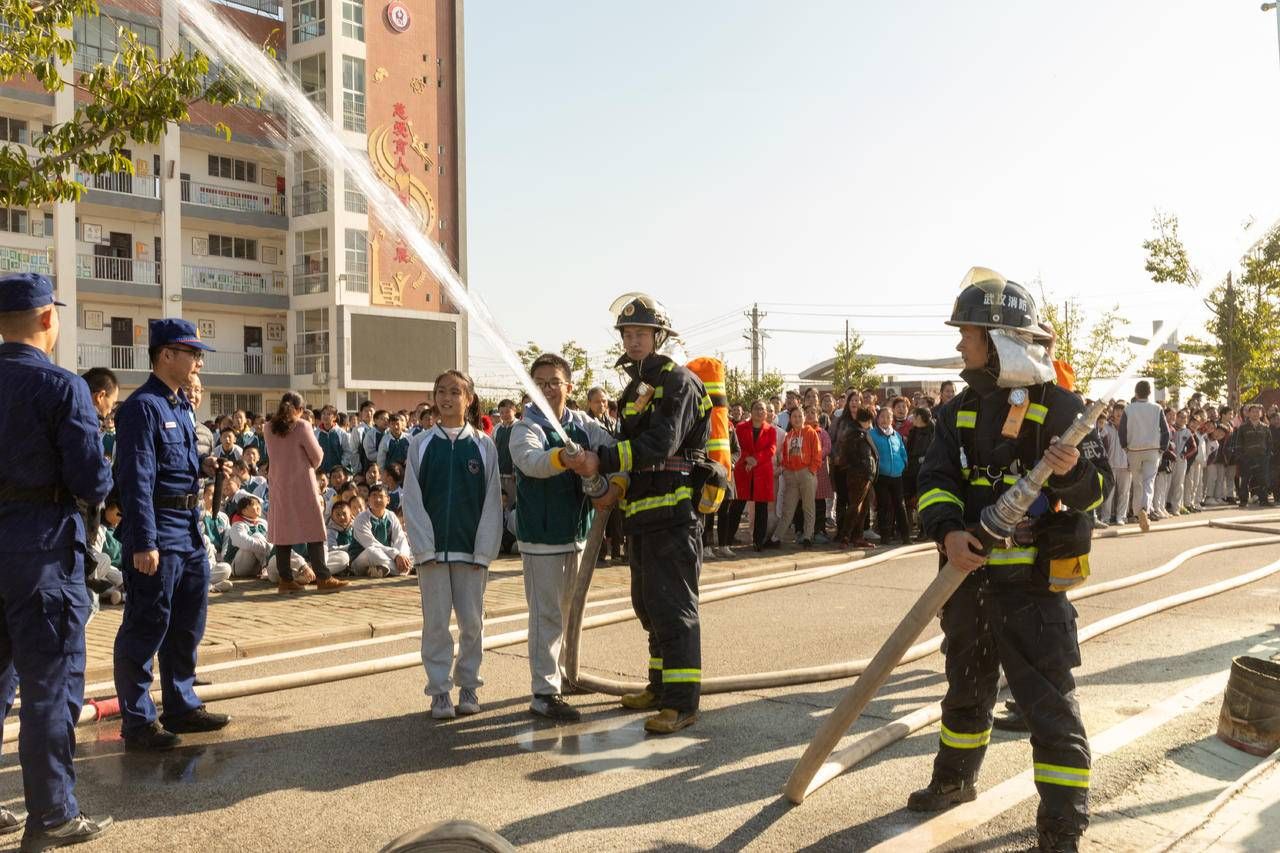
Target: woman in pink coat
296,514
753,475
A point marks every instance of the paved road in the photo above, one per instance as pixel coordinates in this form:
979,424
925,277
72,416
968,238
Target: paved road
348,766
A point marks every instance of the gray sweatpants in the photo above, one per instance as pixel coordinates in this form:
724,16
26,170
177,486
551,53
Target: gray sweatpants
544,580
452,588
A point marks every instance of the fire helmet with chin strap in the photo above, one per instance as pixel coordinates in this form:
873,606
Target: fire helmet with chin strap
640,309
990,301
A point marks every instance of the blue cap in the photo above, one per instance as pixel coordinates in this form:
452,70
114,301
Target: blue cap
171,332
23,291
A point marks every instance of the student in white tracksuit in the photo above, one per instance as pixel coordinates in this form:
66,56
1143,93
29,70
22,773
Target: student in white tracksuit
552,524
1115,509
453,517
1144,435
378,532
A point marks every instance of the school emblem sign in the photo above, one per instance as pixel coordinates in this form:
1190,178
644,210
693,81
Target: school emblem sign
397,15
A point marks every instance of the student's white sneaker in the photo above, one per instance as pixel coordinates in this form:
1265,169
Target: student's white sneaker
725,552
376,571
468,702
707,554
442,707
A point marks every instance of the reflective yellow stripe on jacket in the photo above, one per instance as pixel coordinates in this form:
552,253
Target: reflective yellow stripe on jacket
1012,557
1037,413
938,496
682,493
966,419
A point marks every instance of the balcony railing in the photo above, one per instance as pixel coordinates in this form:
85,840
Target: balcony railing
147,186
223,363
234,281
353,112
228,198
357,277
310,200
117,269
312,277
13,259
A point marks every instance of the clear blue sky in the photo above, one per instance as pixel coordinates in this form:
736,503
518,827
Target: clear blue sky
854,158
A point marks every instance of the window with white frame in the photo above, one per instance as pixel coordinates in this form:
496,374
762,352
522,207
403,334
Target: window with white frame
233,169
242,248
310,76
308,20
353,200
311,353
310,183
97,40
311,272
227,403
353,19
13,220
353,93
357,248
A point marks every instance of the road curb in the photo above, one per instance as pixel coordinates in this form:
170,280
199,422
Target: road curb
238,650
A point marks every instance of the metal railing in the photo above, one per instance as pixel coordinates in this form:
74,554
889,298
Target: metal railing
271,283
147,186
270,8
14,259
222,363
103,268
353,112
310,200
356,278
311,277
230,198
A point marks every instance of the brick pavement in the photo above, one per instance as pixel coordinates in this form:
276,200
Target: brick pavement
252,619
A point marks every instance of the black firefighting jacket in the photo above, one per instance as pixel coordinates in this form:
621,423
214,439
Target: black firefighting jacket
970,464
661,442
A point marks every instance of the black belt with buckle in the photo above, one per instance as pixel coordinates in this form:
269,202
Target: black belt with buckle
177,501
31,495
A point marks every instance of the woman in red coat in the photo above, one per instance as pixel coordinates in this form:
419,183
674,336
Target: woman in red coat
296,513
753,475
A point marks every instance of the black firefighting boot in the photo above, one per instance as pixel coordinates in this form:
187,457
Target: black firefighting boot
1011,720
1053,842
941,795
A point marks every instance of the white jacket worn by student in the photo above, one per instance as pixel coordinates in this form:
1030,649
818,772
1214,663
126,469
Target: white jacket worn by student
453,515
250,553
381,539
551,527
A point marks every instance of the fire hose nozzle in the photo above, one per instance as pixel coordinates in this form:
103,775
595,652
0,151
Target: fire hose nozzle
593,487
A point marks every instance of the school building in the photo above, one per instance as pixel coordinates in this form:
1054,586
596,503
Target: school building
270,251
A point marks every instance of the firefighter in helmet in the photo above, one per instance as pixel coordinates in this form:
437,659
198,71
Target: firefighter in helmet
1012,610
664,421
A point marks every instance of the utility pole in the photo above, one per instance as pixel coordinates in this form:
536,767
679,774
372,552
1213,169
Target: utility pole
1233,371
846,335
754,337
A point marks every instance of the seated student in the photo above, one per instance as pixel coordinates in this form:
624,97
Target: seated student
227,447
213,530
378,532
362,491
340,538
107,579
326,493
394,447
251,481
338,477
372,474
391,482
357,505
426,419
248,549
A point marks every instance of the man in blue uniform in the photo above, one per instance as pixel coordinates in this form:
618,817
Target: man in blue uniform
47,420
166,577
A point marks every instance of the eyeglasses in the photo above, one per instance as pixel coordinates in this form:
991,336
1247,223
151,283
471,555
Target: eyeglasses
549,385
196,355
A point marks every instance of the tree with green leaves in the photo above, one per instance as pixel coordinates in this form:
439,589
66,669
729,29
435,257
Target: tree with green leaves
584,374
1094,349
740,388
129,99
850,368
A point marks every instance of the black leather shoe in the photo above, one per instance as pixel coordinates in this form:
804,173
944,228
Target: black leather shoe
941,795
197,720
11,820
75,831
153,738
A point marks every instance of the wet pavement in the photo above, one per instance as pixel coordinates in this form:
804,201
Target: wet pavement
350,765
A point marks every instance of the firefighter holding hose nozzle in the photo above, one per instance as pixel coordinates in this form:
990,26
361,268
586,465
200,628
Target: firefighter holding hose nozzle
1012,610
665,416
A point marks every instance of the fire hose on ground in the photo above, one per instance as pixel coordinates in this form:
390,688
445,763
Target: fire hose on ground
96,710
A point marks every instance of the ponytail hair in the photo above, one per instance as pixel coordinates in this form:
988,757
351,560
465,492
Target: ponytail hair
286,413
472,415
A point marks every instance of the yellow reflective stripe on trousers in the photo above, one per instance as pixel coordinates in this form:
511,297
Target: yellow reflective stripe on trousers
683,493
655,663
1102,495
624,456
1012,557
1057,774
966,419
681,676
959,740
1037,412
938,496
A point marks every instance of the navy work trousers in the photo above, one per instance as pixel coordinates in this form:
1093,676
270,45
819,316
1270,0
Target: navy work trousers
164,614
43,609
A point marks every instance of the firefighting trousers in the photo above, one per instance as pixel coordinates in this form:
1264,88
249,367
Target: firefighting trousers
665,565
1033,636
